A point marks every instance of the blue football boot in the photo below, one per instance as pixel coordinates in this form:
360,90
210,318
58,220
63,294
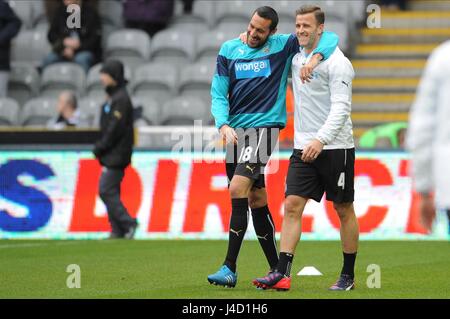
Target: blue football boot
223,277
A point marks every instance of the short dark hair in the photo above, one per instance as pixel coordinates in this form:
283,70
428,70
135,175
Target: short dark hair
318,13
268,13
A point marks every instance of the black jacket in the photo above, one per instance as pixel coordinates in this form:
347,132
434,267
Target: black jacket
9,27
117,135
89,33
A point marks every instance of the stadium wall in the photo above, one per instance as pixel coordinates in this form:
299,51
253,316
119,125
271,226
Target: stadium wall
54,195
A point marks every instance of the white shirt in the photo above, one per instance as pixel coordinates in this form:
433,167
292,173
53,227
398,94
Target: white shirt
76,120
428,136
323,105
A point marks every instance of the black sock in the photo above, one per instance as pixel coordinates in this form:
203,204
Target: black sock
238,226
285,263
265,231
349,265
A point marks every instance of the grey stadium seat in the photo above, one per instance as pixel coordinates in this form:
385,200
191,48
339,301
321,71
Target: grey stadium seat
188,23
107,30
30,46
205,10
38,14
337,9
24,82
90,107
31,12
209,43
111,16
43,25
111,12
173,47
232,27
9,112
131,46
24,10
178,8
184,110
62,76
236,28
151,110
285,28
358,9
94,87
158,80
195,80
235,11
38,111
341,29
20,47
40,46
286,10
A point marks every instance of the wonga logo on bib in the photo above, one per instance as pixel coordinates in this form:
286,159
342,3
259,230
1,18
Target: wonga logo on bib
253,69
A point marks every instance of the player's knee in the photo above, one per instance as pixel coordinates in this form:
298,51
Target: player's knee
237,190
292,209
344,210
257,200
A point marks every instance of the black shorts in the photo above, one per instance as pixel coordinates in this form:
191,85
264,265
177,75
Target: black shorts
251,153
332,172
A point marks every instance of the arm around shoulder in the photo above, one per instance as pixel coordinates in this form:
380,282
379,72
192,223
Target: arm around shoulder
327,44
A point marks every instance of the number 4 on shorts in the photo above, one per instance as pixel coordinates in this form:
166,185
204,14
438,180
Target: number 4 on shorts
341,180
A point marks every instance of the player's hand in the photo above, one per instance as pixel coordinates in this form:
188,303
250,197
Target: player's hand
427,211
76,44
307,70
72,43
312,151
306,73
68,53
243,36
67,42
228,134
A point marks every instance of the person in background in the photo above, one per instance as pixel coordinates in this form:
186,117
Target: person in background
393,5
188,5
428,136
9,27
51,6
115,147
79,45
68,113
148,15
391,135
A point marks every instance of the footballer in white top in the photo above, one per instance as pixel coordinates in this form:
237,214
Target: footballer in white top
324,153
323,105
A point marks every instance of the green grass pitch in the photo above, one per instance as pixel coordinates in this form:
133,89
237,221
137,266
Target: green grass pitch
178,269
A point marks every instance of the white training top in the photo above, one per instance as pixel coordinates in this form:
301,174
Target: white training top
323,105
428,136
